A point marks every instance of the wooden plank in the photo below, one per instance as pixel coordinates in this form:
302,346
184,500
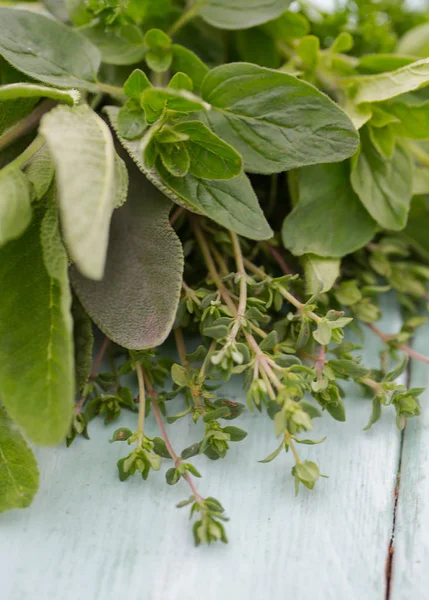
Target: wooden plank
90,537
410,563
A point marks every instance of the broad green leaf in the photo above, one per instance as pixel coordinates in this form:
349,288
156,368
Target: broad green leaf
19,475
289,25
420,180
383,140
185,61
416,231
232,203
47,50
37,386
122,45
180,100
414,119
372,64
320,273
136,84
383,186
258,47
40,172
241,14
15,205
376,88
264,115
175,158
131,122
84,156
329,219
415,42
14,91
83,339
211,157
135,303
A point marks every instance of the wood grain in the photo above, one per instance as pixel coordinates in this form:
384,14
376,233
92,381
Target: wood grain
90,537
410,564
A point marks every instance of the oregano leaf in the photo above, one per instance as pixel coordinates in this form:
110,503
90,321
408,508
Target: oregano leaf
264,115
48,50
231,203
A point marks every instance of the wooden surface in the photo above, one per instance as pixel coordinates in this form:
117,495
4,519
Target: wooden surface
89,537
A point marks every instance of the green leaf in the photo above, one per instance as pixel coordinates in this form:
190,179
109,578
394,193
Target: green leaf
122,45
175,158
258,47
415,42
83,339
326,197
236,433
131,122
40,172
15,205
211,158
37,387
376,88
289,25
241,14
308,51
19,475
135,303
375,414
48,50
320,273
80,143
348,368
264,115
414,119
136,84
156,39
383,140
231,203
179,375
416,231
383,186
31,90
185,61
273,455
181,81
121,435
180,100
323,333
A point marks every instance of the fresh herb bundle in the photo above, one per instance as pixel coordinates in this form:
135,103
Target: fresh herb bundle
231,172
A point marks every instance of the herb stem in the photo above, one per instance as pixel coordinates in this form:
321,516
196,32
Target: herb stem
25,156
176,214
202,242
239,316
320,362
112,90
289,442
389,339
190,292
177,461
94,372
142,405
180,345
184,19
278,258
26,125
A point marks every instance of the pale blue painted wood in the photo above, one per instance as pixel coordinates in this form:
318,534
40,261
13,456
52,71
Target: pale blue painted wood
411,557
90,537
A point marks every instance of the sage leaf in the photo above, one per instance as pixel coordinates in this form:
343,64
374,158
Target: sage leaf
264,114
329,219
136,301
83,338
320,273
13,91
384,186
40,172
231,203
84,156
47,50
241,14
15,205
37,387
19,475
383,86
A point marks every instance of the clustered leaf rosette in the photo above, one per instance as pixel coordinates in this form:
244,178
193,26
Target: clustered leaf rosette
235,173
